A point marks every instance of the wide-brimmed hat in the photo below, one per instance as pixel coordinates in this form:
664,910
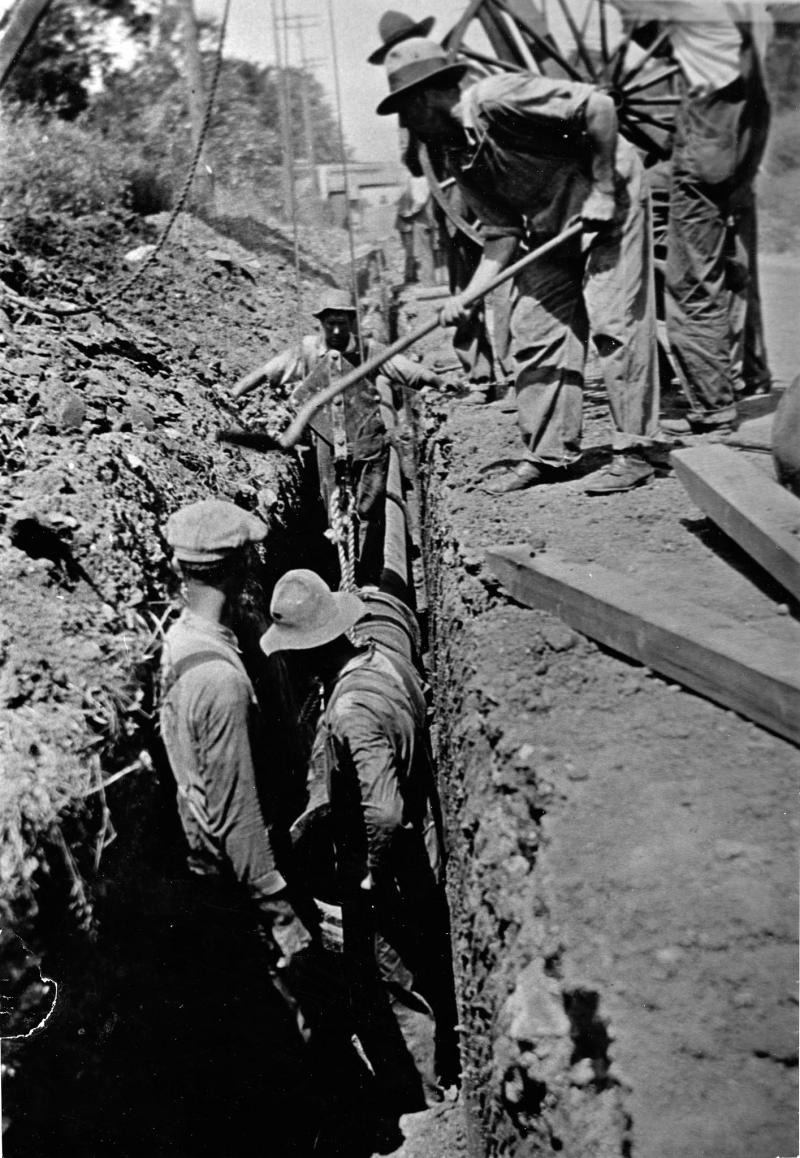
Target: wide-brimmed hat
335,301
306,613
393,27
210,530
414,63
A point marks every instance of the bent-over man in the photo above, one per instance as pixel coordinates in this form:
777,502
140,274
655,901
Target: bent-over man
531,154
386,837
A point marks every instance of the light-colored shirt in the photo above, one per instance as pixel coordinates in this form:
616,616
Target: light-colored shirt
212,730
528,162
704,36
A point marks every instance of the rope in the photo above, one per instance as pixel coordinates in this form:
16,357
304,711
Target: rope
344,536
345,175
98,306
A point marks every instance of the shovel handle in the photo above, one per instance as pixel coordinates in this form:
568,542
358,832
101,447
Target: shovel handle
294,432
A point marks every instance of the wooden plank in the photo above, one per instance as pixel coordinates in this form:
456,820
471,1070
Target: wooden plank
727,661
754,434
757,512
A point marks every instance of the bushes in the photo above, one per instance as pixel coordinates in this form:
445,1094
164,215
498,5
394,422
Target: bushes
783,147
56,166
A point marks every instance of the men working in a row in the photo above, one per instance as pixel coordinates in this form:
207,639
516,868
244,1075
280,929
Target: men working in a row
531,154
349,434
236,804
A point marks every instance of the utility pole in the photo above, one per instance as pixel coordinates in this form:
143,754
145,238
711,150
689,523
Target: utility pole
283,115
19,27
300,24
204,180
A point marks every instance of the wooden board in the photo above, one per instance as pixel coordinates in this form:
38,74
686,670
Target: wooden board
757,512
727,661
755,434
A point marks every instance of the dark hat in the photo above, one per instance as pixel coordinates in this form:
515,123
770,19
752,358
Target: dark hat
209,530
411,64
396,26
334,301
306,613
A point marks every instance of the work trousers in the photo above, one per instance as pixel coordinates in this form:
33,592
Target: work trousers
607,291
713,308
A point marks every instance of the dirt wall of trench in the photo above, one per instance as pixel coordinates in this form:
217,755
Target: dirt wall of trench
622,852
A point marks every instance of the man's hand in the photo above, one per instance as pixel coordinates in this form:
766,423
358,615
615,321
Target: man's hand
598,208
453,311
294,924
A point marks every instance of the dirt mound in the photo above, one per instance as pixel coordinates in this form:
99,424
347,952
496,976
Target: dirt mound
109,424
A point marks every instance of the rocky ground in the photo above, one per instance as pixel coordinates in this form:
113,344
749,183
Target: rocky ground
624,868
623,852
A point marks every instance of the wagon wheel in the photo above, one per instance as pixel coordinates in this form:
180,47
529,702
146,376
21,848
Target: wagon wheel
641,86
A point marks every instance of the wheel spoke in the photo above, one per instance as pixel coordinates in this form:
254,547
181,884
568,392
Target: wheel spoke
649,81
648,119
638,136
581,47
490,61
601,12
659,100
642,61
545,45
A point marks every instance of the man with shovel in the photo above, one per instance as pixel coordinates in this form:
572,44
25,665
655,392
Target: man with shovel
349,433
531,154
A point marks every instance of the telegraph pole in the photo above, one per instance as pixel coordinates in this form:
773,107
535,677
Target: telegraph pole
283,113
299,24
204,180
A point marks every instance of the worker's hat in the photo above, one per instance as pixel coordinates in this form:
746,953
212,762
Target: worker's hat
394,27
335,301
306,613
412,64
210,530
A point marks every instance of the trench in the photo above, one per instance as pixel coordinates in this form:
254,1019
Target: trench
167,1041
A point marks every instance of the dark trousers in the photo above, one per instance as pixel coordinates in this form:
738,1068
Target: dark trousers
712,304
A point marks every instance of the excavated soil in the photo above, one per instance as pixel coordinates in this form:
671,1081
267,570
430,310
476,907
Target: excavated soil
623,852
623,881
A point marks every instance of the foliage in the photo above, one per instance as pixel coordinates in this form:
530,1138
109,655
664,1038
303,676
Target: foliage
69,53
783,64
783,147
51,165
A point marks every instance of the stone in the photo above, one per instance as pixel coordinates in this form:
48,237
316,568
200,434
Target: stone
558,637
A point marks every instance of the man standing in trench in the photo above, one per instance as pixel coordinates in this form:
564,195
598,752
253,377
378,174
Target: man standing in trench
233,818
532,153
352,422
386,837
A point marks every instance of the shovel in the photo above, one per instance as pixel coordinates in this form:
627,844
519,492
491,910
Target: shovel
262,440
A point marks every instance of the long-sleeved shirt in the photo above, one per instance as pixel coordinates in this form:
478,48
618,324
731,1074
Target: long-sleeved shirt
212,728
376,754
527,166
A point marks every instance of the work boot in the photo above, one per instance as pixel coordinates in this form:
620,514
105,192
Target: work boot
693,425
625,472
524,474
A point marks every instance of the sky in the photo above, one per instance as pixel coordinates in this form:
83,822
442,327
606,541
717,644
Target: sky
250,37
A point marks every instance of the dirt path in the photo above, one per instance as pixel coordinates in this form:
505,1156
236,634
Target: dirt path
632,844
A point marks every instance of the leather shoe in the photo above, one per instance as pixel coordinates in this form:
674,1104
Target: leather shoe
625,472
696,426
524,474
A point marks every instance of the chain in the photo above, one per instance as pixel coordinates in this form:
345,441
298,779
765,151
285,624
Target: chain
98,306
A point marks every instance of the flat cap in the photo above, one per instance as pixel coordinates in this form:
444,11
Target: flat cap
209,530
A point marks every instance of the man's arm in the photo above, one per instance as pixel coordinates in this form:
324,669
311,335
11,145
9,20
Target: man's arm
278,371
497,254
601,130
